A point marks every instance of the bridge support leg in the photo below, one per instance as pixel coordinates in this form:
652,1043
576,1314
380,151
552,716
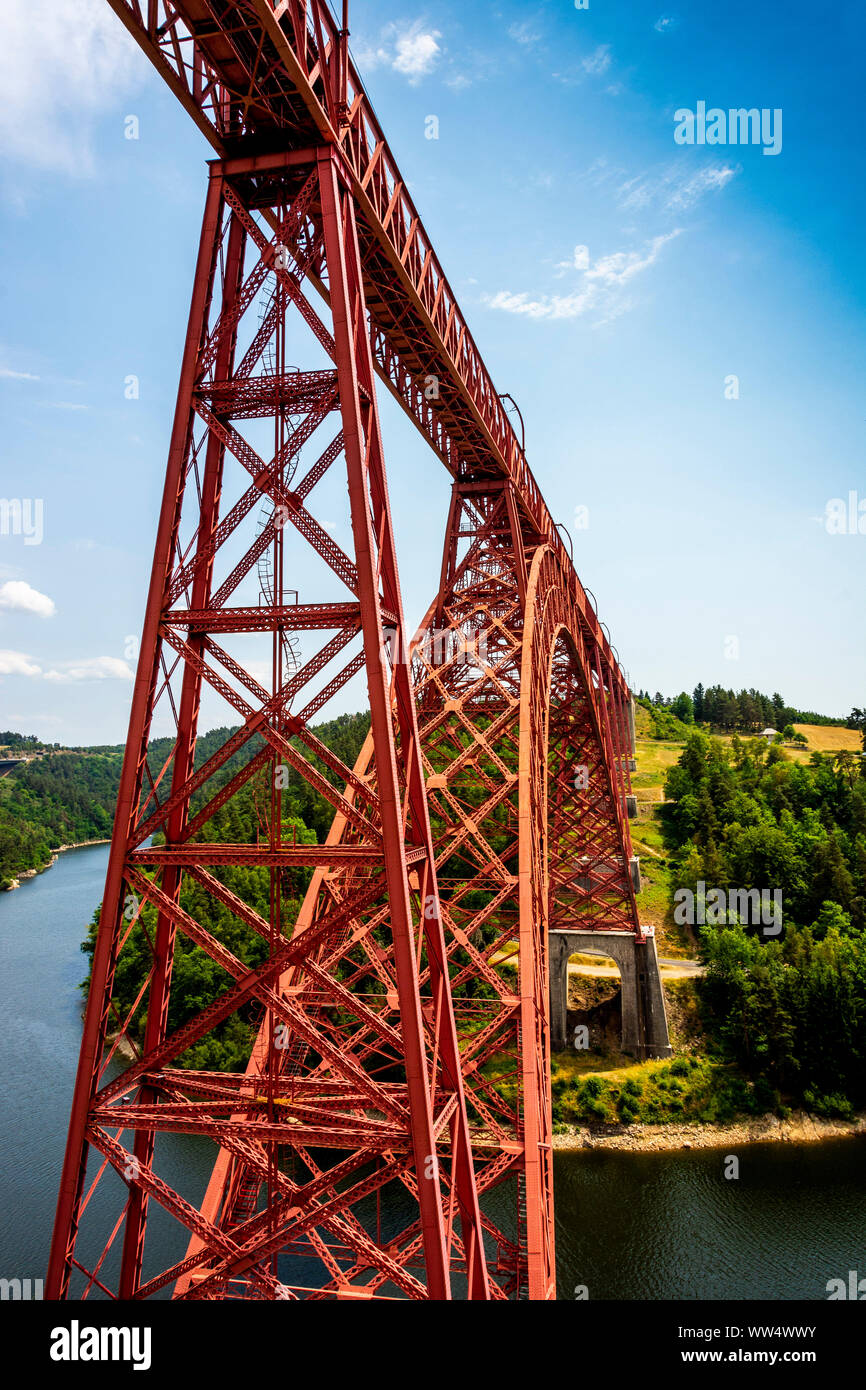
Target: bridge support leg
655,1041
644,1021
634,870
560,947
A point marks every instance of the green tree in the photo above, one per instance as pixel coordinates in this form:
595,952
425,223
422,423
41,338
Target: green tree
856,720
684,709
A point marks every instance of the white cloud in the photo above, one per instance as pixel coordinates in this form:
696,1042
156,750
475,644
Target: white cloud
417,53
674,188
599,60
61,66
555,306
600,290
17,597
409,49
6,372
665,23
94,668
624,265
17,664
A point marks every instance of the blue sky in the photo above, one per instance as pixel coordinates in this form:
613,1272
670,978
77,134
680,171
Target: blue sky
614,280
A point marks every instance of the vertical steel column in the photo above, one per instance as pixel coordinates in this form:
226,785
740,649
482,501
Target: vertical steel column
369,507
104,958
187,730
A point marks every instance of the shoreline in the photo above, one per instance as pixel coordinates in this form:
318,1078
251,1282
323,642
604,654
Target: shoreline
799,1128
55,853
122,1048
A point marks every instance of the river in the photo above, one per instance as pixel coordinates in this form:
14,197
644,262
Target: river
629,1226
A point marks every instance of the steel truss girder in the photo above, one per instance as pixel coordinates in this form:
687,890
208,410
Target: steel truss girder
268,75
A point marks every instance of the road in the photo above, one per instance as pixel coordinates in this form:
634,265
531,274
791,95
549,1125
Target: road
671,970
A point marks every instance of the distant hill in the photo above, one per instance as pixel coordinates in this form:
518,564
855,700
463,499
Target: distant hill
59,799
732,711
69,797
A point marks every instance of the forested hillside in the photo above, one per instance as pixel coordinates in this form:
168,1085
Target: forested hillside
60,799
196,979
69,797
726,711
789,1009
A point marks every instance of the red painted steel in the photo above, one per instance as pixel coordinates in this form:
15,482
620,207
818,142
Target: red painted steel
400,1070
268,74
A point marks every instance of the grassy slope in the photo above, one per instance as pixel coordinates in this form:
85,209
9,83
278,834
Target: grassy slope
654,760
610,1087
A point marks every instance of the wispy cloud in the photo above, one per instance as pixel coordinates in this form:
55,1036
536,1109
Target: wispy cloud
61,66
622,266
705,181
665,23
95,668
594,64
526,34
600,290
410,49
555,306
599,60
7,374
674,188
16,596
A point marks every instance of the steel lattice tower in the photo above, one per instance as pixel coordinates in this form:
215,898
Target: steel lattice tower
391,1134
